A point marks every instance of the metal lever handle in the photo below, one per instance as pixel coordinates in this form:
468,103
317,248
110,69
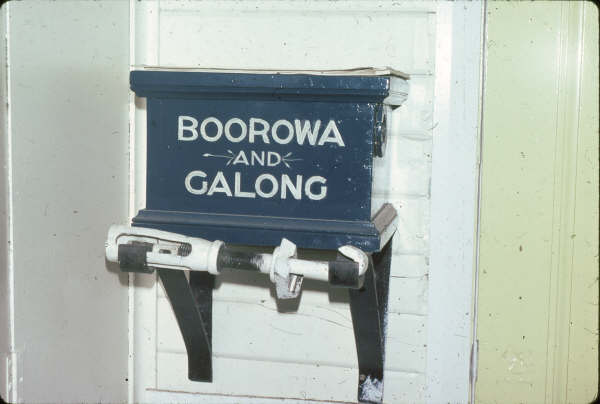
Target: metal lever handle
138,249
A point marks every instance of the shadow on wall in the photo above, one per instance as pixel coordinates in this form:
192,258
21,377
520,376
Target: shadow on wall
113,267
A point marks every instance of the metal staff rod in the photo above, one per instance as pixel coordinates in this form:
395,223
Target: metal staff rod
138,249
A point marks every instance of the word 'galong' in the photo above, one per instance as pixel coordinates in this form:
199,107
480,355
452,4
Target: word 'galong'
265,186
281,131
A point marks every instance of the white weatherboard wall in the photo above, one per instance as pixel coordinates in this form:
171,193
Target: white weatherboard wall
258,352
64,153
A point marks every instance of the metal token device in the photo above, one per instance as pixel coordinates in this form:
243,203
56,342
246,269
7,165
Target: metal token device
268,172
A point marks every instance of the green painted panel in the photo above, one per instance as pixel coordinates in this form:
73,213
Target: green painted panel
530,168
516,225
582,379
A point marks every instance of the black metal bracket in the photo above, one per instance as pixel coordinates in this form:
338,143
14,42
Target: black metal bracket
368,307
192,304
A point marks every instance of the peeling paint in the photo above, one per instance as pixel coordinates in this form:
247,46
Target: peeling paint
371,390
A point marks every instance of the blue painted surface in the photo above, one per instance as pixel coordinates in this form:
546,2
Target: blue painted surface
226,198
264,230
174,84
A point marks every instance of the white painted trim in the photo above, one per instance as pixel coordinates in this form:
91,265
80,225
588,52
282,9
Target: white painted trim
453,201
12,387
131,276
144,45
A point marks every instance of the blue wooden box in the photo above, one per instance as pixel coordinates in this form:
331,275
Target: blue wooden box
250,158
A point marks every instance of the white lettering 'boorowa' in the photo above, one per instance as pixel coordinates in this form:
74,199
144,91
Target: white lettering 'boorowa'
265,186
281,132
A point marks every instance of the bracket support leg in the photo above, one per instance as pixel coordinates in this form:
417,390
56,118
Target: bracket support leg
368,307
192,305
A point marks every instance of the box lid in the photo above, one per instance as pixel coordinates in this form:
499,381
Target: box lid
375,84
